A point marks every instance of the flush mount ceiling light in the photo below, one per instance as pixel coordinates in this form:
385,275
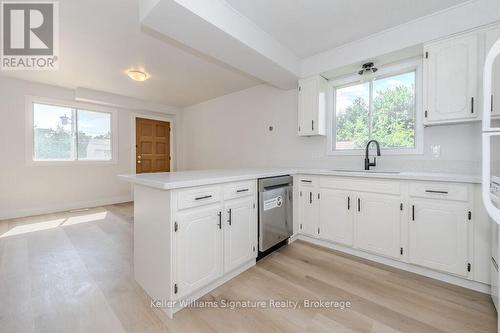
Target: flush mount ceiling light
367,71
138,75
368,68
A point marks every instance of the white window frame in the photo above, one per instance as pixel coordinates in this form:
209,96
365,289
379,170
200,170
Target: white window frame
385,71
30,143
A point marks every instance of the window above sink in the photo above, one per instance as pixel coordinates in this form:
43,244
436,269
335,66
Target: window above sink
385,107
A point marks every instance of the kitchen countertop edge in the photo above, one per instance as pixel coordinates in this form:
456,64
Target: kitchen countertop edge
210,177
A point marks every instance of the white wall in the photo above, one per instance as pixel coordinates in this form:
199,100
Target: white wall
465,16
28,190
232,131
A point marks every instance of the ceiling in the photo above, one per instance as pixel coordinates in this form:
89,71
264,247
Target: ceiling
99,40
308,27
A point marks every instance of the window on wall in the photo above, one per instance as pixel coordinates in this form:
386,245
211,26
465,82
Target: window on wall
383,109
65,133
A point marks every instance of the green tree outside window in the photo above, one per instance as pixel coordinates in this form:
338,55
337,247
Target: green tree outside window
390,119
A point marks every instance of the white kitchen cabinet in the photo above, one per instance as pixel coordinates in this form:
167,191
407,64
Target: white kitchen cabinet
198,249
308,207
438,233
410,223
309,212
495,98
189,240
451,80
492,35
240,232
312,106
378,224
336,216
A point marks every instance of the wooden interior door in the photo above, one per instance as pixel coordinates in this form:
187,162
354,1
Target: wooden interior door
152,145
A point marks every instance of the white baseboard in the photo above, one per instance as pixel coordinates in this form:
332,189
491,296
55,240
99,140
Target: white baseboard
15,213
455,280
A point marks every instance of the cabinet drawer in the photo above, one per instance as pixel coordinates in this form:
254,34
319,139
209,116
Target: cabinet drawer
445,191
198,196
308,181
361,185
239,189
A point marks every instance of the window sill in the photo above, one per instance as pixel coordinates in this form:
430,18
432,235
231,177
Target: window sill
70,163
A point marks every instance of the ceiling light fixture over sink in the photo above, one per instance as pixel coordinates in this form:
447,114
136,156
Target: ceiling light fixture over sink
367,71
138,75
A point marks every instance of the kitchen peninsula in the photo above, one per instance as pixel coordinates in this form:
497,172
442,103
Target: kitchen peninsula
195,230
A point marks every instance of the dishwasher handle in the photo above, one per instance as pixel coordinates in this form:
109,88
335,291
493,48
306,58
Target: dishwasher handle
273,187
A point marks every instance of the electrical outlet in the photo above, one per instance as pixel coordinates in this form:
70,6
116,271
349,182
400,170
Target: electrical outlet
436,151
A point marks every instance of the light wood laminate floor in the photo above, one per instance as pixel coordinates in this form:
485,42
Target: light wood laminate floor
73,272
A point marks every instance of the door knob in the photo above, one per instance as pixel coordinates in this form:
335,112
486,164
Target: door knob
139,156
139,162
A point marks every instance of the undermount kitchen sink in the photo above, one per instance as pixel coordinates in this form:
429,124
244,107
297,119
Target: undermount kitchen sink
368,171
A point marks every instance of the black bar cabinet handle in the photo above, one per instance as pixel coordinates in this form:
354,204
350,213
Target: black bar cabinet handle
359,204
472,105
220,220
348,203
435,191
230,216
242,190
413,212
310,197
203,197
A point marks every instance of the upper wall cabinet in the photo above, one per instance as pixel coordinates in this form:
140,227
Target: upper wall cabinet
492,35
312,106
451,73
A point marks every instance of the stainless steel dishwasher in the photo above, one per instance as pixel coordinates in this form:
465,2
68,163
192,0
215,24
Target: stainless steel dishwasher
275,212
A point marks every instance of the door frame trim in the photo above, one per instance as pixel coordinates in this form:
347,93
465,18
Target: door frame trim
167,118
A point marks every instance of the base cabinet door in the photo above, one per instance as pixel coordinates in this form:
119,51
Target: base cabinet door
198,249
438,235
308,212
240,233
336,218
378,224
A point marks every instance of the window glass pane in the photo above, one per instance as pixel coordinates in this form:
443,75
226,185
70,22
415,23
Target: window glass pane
94,135
52,132
393,118
351,116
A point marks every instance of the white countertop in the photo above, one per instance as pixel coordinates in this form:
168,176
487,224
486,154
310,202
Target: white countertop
430,176
180,179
